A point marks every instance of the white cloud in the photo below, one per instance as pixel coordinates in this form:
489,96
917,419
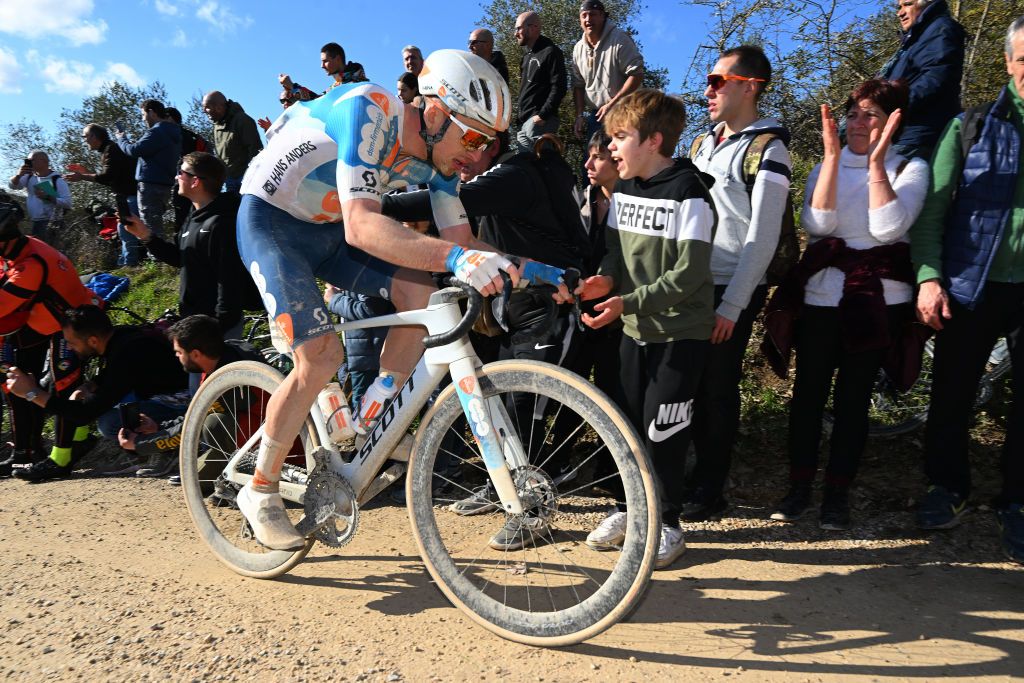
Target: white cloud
180,39
79,78
38,18
221,17
10,73
167,8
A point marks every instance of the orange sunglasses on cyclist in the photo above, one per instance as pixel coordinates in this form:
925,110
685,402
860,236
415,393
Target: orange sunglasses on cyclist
717,81
472,139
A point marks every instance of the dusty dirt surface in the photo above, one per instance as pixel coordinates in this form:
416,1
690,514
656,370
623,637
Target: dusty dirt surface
105,579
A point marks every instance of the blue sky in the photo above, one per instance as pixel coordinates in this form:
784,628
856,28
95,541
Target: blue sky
54,52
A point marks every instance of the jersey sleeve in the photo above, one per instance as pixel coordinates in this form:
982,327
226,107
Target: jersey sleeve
364,126
21,284
445,203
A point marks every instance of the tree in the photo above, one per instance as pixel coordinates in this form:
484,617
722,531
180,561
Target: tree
560,21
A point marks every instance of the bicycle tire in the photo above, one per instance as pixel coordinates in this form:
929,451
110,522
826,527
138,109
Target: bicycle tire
229,404
441,534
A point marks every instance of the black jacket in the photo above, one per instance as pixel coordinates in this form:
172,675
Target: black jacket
543,80
931,60
512,209
117,170
213,280
498,62
137,360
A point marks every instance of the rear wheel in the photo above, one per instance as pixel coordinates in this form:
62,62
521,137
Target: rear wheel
582,457
226,411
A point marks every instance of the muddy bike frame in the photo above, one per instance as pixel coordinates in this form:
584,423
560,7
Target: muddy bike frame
448,351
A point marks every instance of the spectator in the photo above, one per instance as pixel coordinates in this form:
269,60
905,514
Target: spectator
850,294
38,285
354,73
213,280
287,98
157,151
481,43
658,273
597,352
607,66
362,347
408,89
412,59
931,60
191,141
968,252
749,224
543,82
116,170
201,349
138,365
49,197
234,137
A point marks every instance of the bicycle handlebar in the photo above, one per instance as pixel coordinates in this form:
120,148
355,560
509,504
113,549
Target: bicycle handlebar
475,305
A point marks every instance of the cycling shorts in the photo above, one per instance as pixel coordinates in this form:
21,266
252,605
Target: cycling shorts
284,255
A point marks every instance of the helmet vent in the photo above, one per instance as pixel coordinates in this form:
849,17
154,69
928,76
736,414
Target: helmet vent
486,94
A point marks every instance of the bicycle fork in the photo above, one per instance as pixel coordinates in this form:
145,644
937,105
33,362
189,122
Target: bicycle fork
499,445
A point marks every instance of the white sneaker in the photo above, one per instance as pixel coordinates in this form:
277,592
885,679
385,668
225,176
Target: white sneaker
266,514
670,546
610,533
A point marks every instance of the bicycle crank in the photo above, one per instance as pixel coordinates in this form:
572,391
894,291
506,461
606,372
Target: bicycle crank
332,514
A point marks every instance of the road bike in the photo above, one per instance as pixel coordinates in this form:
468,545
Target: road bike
894,412
552,591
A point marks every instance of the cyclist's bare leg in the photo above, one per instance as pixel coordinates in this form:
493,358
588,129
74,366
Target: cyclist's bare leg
410,290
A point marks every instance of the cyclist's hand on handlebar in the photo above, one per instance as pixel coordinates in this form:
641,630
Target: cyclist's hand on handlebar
481,269
594,287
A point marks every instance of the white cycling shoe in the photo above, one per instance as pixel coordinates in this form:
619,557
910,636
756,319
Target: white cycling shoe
269,521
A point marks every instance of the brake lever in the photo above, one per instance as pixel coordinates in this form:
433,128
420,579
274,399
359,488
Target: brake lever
499,305
571,277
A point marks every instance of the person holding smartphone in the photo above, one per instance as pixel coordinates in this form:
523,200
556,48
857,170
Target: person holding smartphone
49,196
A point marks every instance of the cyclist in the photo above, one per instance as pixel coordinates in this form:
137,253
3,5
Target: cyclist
37,286
327,163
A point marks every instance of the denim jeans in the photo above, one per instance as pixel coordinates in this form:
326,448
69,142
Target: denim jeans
127,238
153,201
109,423
529,132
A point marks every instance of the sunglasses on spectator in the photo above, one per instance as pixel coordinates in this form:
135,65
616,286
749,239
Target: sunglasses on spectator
717,81
475,42
190,174
471,139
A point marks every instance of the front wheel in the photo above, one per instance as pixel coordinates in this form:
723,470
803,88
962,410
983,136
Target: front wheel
532,578
224,414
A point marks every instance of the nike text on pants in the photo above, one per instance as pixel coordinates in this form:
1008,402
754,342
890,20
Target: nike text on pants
658,382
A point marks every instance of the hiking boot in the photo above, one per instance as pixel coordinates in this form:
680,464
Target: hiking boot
835,510
610,533
159,465
1011,527
8,466
794,505
940,509
520,531
670,545
483,499
268,518
703,507
126,471
44,470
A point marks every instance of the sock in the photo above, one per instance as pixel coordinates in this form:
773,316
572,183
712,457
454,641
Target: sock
268,465
81,434
61,456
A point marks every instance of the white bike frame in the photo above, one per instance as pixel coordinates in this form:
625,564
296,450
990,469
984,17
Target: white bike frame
487,416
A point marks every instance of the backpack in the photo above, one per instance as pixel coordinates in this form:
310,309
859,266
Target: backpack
564,197
191,141
787,253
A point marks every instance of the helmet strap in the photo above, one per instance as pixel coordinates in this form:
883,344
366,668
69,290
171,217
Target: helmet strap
431,140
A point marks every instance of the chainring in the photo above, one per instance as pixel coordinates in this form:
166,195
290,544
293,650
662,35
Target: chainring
332,514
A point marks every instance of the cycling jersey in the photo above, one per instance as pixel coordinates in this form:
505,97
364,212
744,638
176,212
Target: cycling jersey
341,146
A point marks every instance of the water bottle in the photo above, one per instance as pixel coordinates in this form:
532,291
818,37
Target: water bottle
337,414
376,397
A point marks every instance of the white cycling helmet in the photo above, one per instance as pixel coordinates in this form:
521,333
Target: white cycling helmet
468,85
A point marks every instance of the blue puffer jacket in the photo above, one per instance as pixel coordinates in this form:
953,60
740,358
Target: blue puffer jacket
983,203
158,152
931,60
362,347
